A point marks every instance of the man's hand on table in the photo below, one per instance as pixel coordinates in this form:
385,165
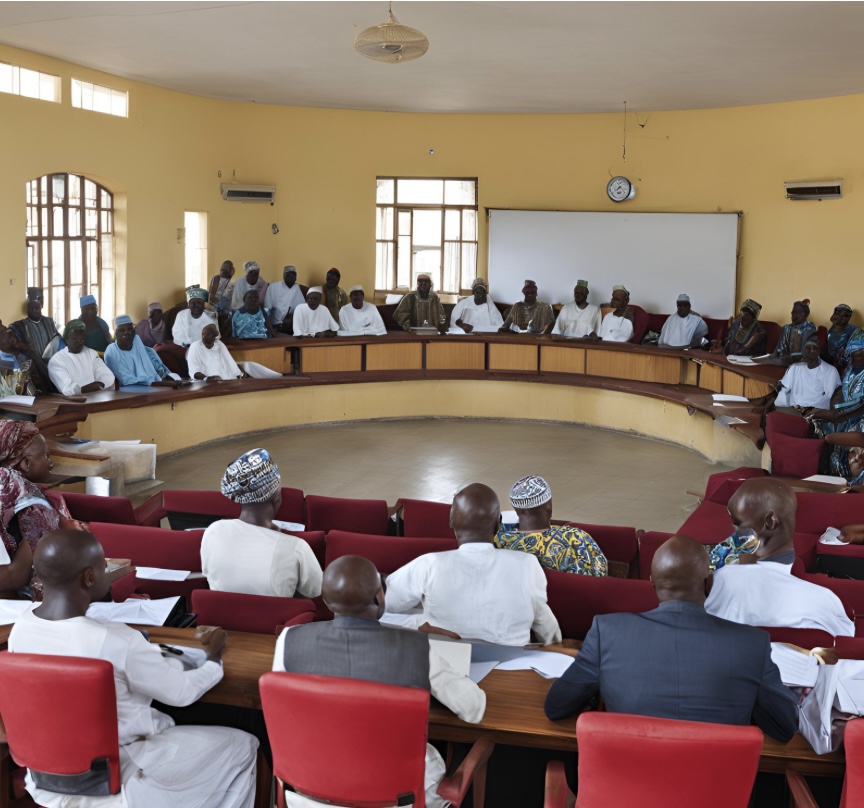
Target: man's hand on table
213,639
428,628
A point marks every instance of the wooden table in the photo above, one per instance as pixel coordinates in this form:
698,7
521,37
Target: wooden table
514,707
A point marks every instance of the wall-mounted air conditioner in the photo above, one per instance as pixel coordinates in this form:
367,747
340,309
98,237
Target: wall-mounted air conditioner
816,189
234,192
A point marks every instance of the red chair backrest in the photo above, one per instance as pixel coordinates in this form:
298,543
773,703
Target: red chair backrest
640,324
212,505
426,519
330,735
316,539
717,329
851,593
617,543
649,543
795,457
657,321
576,599
89,508
721,486
772,334
782,423
387,553
849,647
853,787
802,637
710,523
259,614
669,762
355,515
151,546
60,713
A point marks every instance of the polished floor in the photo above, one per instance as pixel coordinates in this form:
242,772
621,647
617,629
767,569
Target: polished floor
597,476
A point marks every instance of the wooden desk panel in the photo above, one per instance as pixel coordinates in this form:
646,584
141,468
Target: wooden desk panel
331,358
639,367
560,359
711,378
754,388
275,357
733,383
394,356
513,357
454,354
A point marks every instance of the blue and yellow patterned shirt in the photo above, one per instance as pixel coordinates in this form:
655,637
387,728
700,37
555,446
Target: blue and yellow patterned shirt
566,548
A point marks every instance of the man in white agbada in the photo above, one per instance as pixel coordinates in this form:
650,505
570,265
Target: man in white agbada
190,322
810,382
248,554
617,325
282,299
311,319
78,369
360,317
161,765
251,280
579,318
683,329
209,360
760,589
476,314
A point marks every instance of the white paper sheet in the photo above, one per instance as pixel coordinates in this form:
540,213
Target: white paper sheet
134,610
831,536
796,669
296,527
159,574
458,654
4,555
185,656
826,478
24,401
741,360
11,610
548,664
850,686
726,397
479,671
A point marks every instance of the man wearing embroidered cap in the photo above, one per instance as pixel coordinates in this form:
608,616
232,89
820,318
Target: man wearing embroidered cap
190,322
579,318
78,369
133,364
282,299
420,308
152,328
839,334
249,554
251,280
566,548
97,335
360,317
311,319
617,325
334,295
37,330
746,335
684,329
477,314
529,314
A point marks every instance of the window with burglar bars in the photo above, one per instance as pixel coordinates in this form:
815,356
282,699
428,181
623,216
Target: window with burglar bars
426,225
70,244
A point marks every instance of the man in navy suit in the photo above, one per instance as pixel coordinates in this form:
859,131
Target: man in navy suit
677,661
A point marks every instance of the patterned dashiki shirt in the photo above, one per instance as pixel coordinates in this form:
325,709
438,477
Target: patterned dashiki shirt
566,548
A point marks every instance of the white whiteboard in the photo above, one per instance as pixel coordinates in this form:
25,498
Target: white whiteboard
657,256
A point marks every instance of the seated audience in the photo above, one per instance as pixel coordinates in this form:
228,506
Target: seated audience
476,313
160,764
282,299
251,280
221,288
746,335
565,548
476,591
617,325
78,369
249,322
248,554
355,645
838,336
311,319
529,314
361,317
97,335
793,336
764,592
131,363
334,295
190,322
422,307
847,457
37,330
676,661
579,318
810,382
15,355
209,359
684,329
151,329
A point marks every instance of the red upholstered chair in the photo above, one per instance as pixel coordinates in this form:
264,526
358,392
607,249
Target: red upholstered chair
360,724
853,785
782,423
851,594
670,764
576,599
65,719
90,508
795,457
772,334
840,560
717,329
721,486
815,513
426,519
356,515
649,543
617,543
387,553
194,509
802,637
710,523
640,324
849,647
258,614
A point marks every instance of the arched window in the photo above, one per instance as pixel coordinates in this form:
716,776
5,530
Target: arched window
70,243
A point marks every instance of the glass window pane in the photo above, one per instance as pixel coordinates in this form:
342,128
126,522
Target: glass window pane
74,189
49,87
76,93
460,192
91,220
427,228
451,267
58,188
57,222
28,83
404,222
469,225
420,192
403,262
101,99
384,223
428,261
43,190
58,262
451,225
469,264
108,253
119,104
32,221
386,192
106,200
76,262
44,217
74,215
7,78
90,193
58,304
384,265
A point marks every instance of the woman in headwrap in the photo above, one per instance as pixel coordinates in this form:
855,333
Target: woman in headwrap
27,512
746,335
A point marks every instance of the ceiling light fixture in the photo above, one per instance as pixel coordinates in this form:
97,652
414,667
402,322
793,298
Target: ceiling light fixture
391,41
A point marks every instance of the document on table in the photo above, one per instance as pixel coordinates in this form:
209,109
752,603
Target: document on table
826,478
188,658
831,536
741,360
797,669
11,610
724,397
850,687
294,527
548,664
134,610
159,574
457,653
23,401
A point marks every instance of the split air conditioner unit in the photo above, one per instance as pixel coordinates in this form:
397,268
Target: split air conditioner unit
234,192
817,189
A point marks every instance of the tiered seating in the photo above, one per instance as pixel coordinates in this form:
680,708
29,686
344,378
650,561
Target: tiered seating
91,508
387,553
336,513
426,519
258,614
198,509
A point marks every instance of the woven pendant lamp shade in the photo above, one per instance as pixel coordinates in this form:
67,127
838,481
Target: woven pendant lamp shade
391,42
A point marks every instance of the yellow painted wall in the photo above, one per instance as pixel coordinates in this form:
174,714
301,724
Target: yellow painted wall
164,159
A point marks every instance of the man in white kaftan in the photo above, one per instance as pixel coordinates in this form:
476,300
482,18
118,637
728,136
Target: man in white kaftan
251,280
311,319
683,329
282,299
476,314
78,369
190,322
810,382
615,328
579,318
360,317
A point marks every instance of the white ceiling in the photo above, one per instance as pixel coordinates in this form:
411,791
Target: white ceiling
483,56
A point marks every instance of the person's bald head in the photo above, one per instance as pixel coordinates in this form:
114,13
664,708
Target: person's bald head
680,571
766,507
352,586
476,514
71,561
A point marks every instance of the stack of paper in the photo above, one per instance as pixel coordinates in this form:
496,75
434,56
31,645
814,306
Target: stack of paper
159,574
11,610
797,669
135,610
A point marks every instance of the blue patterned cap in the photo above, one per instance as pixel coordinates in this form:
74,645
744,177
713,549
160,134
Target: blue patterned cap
87,300
252,478
123,319
530,492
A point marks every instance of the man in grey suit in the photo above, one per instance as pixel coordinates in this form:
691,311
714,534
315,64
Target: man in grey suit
677,661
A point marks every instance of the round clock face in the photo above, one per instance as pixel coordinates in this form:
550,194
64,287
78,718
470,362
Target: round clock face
619,189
